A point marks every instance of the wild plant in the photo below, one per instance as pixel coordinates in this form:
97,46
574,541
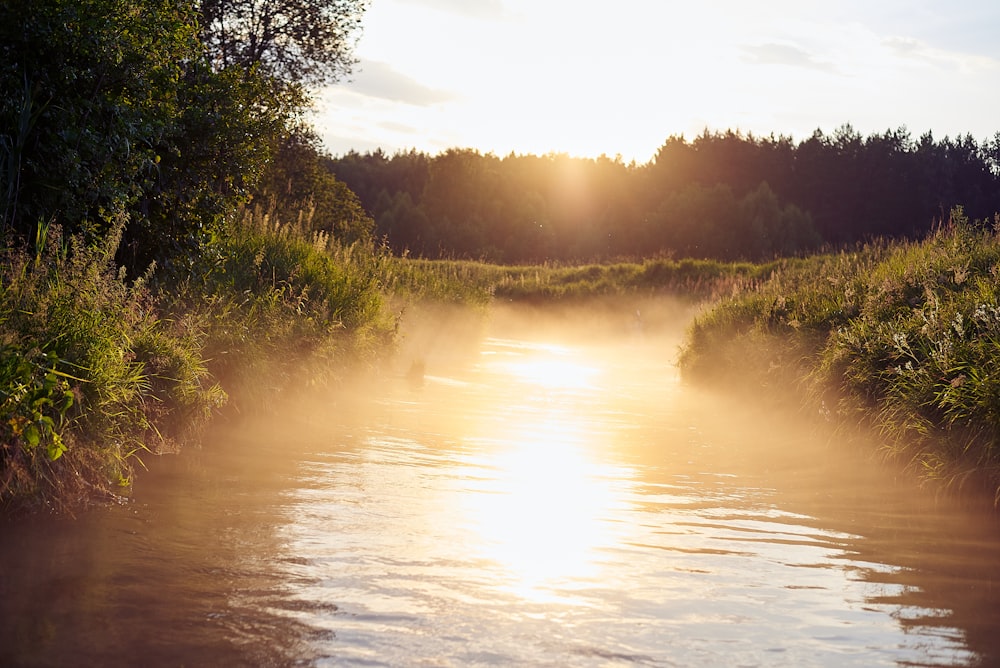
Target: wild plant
904,337
80,385
276,301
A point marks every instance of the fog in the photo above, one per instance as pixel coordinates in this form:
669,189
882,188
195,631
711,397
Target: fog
546,491
442,336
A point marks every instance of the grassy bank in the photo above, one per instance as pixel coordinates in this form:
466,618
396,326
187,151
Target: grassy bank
470,282
904,338
97,371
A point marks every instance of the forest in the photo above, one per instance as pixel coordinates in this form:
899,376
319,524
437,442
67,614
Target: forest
723,195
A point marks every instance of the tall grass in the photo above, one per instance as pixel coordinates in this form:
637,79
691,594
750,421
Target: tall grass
89,377
456,282
97,370
479,283
280,308
902,337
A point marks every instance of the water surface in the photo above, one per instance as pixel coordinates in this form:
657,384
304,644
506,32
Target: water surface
539,501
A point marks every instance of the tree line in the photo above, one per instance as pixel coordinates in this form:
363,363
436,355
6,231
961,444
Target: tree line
723,195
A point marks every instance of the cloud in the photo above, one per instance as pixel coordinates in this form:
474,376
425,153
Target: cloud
784,54
479,9
398,128
905,46
338,144
377,79
915,49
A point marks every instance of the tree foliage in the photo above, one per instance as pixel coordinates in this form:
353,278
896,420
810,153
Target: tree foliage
297,41
298,186
224,136
89,96
723,195
116,109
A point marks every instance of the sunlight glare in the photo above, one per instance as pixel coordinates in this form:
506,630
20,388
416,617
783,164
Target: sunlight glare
550,367
545,511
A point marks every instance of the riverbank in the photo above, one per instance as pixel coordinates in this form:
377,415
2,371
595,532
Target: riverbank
97,372
900,338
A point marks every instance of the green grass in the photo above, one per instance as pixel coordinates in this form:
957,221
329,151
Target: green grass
902,337
479,283
88,375
97,370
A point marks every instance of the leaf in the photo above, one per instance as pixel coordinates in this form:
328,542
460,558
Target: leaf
32,435
56,448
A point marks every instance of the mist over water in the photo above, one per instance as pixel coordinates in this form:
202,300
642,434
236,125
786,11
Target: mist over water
539,490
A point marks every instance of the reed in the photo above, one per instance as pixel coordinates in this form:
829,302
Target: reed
96,370
902,337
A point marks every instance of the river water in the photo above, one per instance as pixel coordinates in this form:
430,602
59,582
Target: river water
538,500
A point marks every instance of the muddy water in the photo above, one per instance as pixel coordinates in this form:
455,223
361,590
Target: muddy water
538,501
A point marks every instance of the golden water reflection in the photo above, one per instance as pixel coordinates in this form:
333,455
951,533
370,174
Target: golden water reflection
548,505
543,506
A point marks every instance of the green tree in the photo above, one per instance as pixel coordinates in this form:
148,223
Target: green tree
297,183
293,44
223,139
297,41
88,95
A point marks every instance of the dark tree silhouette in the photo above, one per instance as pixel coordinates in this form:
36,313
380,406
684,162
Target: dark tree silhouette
723,195
301,41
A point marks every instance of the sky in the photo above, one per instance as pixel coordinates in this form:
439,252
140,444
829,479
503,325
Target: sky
618,78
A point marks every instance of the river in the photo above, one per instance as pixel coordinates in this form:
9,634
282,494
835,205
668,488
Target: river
536,499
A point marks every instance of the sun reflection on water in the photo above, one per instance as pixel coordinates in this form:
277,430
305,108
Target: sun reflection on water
545,510
544,366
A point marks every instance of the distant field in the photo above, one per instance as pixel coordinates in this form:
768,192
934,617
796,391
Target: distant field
463,281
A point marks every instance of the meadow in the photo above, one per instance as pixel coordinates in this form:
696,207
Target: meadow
472,282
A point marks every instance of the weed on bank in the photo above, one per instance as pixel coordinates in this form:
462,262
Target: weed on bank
97,370
902,337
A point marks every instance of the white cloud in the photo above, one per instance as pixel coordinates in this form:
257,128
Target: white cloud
909,48
377,79
480,9
784,54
